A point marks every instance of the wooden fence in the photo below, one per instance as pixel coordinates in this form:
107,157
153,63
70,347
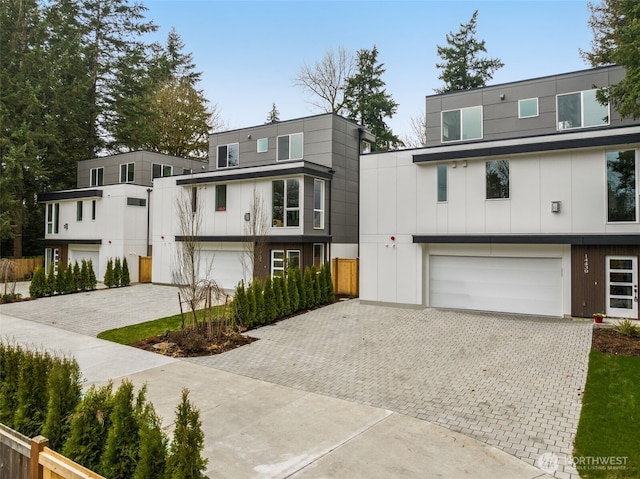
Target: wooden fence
24,458
144,269
345,273
24,267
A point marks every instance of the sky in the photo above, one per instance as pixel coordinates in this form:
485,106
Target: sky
250,51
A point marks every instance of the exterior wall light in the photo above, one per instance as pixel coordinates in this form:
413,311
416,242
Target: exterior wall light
555,206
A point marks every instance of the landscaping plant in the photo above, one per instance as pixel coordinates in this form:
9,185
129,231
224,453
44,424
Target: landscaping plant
117,272
109,280
152,456
32,395
125,279
84,276
627,328
38,286
270,308
93,282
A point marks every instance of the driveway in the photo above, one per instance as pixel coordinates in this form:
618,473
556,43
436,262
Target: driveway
512,382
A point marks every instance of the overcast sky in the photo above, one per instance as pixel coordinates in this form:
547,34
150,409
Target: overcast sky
249,51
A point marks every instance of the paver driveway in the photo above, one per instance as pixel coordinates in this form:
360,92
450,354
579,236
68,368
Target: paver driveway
514,382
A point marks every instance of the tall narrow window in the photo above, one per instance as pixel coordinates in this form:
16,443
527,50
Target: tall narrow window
285,201
79,210
127,174
49,218
97,177
621,186
293,258
228,155
497,179
53,218
290,147
318,254
277,263
442,183
194,199
93,210
221,197
318,204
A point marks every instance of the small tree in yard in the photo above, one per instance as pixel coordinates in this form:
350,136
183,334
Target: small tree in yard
278,282
52,285
286,299
152,459
64,388
270,308
309,289
240,305
125,279
32,395
252,307
108,275
38,284
317,286
292,289
10,362
328,283
259,297
70,280
117,272
84,275
185,459
93,281
302,294
77,277
256,231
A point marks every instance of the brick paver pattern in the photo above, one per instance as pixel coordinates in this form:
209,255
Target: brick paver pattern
514,382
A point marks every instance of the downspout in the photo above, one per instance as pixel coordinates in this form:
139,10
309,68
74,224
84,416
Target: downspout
148,219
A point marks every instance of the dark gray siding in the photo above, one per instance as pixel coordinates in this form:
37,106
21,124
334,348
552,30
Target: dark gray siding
500,104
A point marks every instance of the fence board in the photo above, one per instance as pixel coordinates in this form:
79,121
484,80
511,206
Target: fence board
57,466
15,452
26,266
144,269
345,273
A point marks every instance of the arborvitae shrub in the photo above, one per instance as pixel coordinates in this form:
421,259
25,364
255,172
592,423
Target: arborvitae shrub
84,276
51,280
240,305
10,363
317,285
257,292
252,307
152,457
38,284
123,440
328,286
61,280
77,277
93,281
125,279
64,388
270,308
286,299
185,459
33,396
70,280
278,281
309,290
117,272
89,428
294,292
108,274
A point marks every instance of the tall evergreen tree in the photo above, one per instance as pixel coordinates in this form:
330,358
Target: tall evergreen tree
274,114
367,101
462,68
65,387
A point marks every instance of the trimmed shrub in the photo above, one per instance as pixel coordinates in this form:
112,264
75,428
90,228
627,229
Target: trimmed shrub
294,292
257,293
10,361
117,272
64,388
240,305
302,294
328,283
84,276
51,283
317,287
108,274
77,277
185,459
278,281
125,279
152,457
252,307
93,281
286,299
270,308
33,396
38,285
309,290
70,280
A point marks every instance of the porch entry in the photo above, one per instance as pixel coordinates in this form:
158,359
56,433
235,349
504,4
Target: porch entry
622,286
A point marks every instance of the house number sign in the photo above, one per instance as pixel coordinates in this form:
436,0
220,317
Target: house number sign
586,263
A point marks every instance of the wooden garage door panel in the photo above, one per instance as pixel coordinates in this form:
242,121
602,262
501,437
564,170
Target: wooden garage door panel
518,285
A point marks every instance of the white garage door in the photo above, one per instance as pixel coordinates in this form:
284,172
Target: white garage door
226,267
79,255
511,285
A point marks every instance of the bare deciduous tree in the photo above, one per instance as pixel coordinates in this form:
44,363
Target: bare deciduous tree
418,135
326,79
192,273
256,230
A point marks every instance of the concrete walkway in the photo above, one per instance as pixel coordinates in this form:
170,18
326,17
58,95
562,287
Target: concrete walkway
353,390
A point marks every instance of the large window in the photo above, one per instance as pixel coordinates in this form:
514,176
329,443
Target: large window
318,204
621,186
528,108
159,171
228,155
97,177
497,179
581,109
127,173
79,210
442,183
285,200
53,218
462,124
290,147
221,197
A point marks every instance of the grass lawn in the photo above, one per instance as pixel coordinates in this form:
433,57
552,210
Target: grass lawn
138,332
610,420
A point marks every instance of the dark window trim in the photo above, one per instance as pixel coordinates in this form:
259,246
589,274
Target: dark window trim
595,239
302,170
50,241
68,195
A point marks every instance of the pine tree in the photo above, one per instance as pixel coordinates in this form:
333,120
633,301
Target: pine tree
462,68
123,440
274,115
125,279
270,308
108,275
117,272
185,459
367,101
64,388
38,285
89,427
93,281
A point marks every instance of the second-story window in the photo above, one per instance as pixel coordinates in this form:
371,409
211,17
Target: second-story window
263,145
53,218
97,177
290,147
318,204
497,179
621,186
528,108
285,202
127,172
228,155
221,197
442,183
79,210
580,110
159,171
462,124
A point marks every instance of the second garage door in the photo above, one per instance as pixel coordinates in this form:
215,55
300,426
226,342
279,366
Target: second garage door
226,267
512,285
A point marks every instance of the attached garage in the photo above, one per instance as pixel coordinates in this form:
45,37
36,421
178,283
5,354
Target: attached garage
76,254
500,284
226,266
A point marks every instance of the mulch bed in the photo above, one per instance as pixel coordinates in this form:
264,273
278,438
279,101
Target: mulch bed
609,341
179,346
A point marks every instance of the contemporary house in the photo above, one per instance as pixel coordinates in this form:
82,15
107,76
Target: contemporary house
107,216
287,190
525,199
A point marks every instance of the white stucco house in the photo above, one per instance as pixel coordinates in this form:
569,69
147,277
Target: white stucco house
525,200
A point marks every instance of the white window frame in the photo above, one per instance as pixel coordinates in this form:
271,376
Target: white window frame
322,256
462,110
53,218
582,125
227,146
442,168
51,255
285,208
318,213
280,268
262,145
79,210
289,156
129,170
520,115
95,181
